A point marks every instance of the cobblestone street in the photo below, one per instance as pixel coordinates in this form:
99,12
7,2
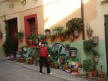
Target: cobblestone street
14,71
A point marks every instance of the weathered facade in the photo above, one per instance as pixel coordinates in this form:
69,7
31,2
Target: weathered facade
50,13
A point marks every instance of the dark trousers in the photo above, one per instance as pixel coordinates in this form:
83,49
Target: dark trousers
42,61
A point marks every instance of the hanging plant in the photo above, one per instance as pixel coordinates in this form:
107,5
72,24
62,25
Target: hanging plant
74,25
73,51
58,33
95,55
47,32
90,48
58,30
19,35
41,37
95,40
76,33
88,45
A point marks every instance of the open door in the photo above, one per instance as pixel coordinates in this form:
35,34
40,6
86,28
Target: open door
106,39
12,26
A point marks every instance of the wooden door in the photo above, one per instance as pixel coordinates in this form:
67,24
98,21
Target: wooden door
12,24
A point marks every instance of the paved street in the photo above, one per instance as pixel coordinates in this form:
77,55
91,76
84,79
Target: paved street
10,72
14,71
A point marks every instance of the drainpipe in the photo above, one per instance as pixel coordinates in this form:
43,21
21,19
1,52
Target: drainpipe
82,16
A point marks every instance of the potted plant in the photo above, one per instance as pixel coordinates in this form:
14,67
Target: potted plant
47,32
31,38
55,65
19,35
87,66
73,51
41,37
95,40
29,60
95,71
101,74
66,34
58,32
95,56
75,25
65,67
21,58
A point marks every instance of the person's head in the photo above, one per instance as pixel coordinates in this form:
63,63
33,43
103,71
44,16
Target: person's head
42,43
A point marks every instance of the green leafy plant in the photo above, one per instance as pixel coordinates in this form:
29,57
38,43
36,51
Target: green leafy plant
32,36
19,35
90,47
74,24
87,65
58,30
47,30
67,46
41,37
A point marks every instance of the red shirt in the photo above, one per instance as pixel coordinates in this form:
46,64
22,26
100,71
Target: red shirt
43,52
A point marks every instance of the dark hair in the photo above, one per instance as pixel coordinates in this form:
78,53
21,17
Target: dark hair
43,42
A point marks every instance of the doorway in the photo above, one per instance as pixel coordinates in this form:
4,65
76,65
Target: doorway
12,27
31,26
106,39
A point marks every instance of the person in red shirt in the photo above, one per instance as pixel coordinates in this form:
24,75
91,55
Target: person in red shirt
43,54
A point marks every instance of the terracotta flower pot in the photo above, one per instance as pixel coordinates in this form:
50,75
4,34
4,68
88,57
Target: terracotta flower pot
66,67
89,74
29,42
21,60
94,73
101,74
62,38
30,61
